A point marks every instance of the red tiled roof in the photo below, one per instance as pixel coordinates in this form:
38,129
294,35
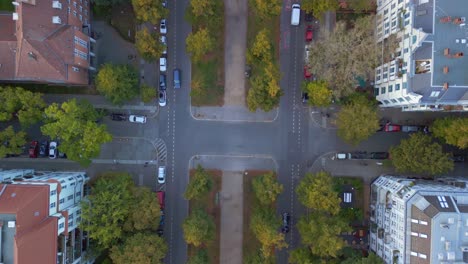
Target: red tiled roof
7,47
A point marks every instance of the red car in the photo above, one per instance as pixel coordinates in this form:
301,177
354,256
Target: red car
309,34
33,149
307,74
392,128
161,195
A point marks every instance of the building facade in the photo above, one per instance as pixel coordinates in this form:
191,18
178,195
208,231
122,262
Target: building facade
40,213
419,221
47,42
424,56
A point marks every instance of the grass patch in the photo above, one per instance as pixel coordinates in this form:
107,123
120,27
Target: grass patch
250,244
6,5
54,89
211,207
124,21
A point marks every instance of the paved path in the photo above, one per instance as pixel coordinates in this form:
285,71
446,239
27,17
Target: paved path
234,51
231,217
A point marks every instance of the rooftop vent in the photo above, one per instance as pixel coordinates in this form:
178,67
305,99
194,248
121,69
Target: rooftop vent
56,4
31,55
15,16
446,69
56,20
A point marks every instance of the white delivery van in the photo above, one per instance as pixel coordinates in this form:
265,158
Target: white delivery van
296,15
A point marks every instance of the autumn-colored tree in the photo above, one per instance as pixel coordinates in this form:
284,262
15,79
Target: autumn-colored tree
26,105
205,8
319,7
148,93
418,154
145,219
148,45
199,44
266,188
149,10
266,8
198,228
261,48
11,142
197,87
319,93
316,191
361,5
200,257
264,92
199,185
118,83
140,248
302,256
454,130
264,224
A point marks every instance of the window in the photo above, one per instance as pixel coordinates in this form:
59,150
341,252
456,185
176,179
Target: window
78,194
435,93
74,12
70,197
407,22
61,225
407,98
53,192
86,12
405,85
79,53
393,101
423,256
62,200
414,234
405,50
78,212
74,3
385,75
81,9
376,91
385,12
422,235
414,39
78,219
414,254
64,187
75,69
397,87
400,100
69,10
81,17
72,184
386,102
383,90
393,24
52,205
390,88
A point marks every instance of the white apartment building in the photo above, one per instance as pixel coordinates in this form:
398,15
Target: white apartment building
419,221
428,70
40,213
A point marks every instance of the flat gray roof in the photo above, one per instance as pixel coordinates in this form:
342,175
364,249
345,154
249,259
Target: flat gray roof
8,238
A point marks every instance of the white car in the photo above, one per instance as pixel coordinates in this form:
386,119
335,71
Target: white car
163,41
161,174
162,26
53,150
137,119
162,64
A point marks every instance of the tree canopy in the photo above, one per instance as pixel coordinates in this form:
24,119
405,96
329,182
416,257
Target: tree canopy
199,44
11,142
265,224
199,185
146,219
316,191
149,10
140,248
74,124
302,256
108,208
148,45
454,130
148,93
319,7
266,188
26,105
118,83
261,48
343,55
267,8
264,92
200,257
319,93
198,228
418,154
109,3
357,120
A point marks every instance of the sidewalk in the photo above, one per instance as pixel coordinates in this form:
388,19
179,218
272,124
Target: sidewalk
232,113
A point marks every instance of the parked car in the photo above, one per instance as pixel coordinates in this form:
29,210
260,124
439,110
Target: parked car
34,149
118,117
161,196
307,73
379,155
137,119
162,26
43,148
161,220
163,41
162,98
360,233
392,128
411,129
53,150
162,174
305,97
309,34
164,3
286,219
162,64
162,82
341,156
160,232
176,78
457,158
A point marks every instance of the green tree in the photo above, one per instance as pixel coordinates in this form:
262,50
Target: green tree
199,185
200,257
319,7
149,10
148,93
26,105
264,92
266,188
264,224
319,93
371,259
140,248
203,8
261,48
266,9
109,3
107,208
118,83
301,256
357,120
321,233
74,123
144,211
418,154
361,5
148,45
316,191
199,44
198,228
11,142
454,130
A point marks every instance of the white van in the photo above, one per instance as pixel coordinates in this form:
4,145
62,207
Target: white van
296,15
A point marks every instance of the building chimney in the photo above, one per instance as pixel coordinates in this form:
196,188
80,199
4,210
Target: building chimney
447,52
446,86
446,69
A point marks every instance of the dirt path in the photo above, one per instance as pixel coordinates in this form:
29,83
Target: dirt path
234,51
231,217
